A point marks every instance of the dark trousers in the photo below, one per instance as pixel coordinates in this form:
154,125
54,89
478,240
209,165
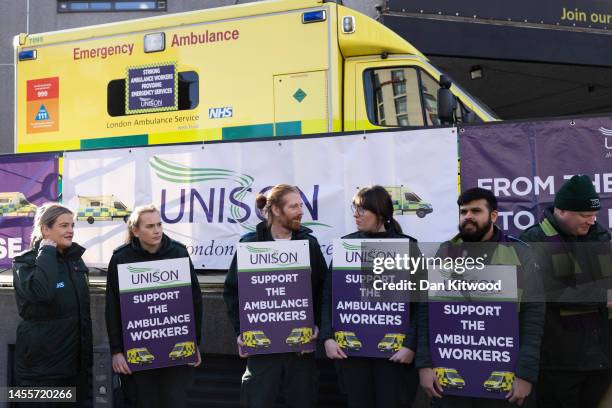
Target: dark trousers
163,387
266,374
572,389
377,383
83,391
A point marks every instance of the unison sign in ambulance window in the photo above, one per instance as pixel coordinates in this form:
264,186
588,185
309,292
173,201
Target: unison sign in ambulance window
187,94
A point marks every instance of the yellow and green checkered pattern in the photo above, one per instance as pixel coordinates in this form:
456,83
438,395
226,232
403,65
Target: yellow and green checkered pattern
95,212
7,208
14,209
101,212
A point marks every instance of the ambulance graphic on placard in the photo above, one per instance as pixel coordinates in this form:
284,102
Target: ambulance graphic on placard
449,378
299,335
140,355
391,342
182,350
499,381
255,339
348,340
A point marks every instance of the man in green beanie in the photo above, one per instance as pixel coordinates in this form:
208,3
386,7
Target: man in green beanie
575,259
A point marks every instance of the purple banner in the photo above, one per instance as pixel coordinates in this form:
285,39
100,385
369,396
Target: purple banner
366,328
276,310
524,164
474,347
28,181
151,89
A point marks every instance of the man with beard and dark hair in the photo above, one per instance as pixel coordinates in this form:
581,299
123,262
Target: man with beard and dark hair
575,256
296,372
480,237
477,214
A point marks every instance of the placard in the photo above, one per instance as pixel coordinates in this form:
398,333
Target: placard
157,314
275,297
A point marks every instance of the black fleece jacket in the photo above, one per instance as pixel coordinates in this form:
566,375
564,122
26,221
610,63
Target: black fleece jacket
134,252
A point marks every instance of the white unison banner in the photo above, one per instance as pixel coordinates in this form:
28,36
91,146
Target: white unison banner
206,193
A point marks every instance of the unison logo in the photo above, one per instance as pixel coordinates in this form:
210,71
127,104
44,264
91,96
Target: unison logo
351,247
607,139
259,256
357,254
209,204
150,103
282,258
151,275
255,250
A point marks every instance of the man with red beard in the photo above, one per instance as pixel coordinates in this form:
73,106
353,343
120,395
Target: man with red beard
283,209
480,237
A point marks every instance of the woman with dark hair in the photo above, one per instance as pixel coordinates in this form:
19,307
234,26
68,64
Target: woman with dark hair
372,382
54,340
146,241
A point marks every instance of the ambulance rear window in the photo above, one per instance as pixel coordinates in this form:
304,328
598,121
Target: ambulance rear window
188,93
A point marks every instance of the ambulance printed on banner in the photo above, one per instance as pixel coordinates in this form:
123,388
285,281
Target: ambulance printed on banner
102,208
14,204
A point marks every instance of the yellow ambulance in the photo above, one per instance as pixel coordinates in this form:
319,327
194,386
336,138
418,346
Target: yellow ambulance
261,69
449,378
299,335
15,204
255,339
499,381
348,340
101,208
391,342
140,355
406,201
182,350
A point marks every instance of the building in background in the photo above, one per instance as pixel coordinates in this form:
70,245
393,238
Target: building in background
523,59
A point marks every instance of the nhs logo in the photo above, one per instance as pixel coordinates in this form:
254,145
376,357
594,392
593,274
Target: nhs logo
59,285
218,113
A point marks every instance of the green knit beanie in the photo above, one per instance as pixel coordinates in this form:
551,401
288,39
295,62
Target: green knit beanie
577,194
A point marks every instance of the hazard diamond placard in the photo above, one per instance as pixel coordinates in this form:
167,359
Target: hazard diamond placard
42,111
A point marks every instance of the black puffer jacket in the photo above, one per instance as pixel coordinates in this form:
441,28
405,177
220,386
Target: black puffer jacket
326,309
133,252
262,233
54,340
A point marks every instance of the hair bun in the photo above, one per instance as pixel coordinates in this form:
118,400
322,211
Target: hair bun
261,201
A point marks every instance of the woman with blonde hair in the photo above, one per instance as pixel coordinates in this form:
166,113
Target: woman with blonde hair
54,339
146,242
